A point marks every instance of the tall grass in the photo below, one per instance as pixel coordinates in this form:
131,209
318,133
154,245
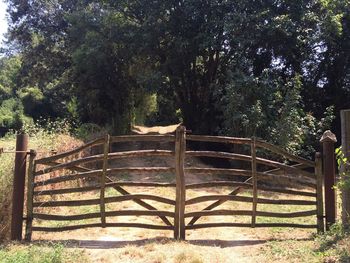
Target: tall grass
52,136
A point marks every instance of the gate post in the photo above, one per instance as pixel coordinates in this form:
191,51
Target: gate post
345,145
180,151
319,192
30,195
18,186
328,140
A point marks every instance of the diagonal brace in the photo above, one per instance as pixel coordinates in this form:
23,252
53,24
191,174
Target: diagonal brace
220,202
120,190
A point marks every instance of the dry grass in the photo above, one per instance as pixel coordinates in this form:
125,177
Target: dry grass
43,142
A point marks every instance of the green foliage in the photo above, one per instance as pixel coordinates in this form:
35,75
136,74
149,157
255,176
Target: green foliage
9,68
84,131
30,97
334,244
12,114
343,164
54,253
271,109
230,67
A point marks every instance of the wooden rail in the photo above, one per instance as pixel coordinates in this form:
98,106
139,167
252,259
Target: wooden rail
107,200
65,154
210,225
253,181
75,227
107,214
143,138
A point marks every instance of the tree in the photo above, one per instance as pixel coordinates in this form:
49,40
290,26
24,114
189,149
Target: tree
231,67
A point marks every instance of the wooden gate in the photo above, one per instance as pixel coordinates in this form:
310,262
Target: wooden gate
270,170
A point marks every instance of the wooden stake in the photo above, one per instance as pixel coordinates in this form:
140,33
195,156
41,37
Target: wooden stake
255,181
18,187
180,150
345,142
103,181
319,192
30,190
328,140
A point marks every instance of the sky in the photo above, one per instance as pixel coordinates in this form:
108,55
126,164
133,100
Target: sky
3,22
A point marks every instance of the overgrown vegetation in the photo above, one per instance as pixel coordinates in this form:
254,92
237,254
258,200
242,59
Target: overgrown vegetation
42,253
54,136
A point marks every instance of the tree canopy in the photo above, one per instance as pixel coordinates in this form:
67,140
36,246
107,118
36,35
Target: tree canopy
274,69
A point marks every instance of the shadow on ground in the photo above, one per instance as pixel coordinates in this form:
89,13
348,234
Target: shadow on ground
102,244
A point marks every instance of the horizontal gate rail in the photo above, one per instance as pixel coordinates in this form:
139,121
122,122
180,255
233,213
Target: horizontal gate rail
75,227
220,171
107,200
278,150
206,198
217,184
100,157
250,213
286,191
56,157
111,171
242,157
210,225
66,178
295,181
94,188
108,214
147,138
218,139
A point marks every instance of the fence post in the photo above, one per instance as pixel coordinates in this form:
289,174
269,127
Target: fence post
328,140
345,144
18,186
180,150
30,192
255,181
319,192
103,180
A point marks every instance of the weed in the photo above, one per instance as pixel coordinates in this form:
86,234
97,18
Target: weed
53,253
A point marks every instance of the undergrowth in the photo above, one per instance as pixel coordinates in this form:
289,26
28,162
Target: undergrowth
53,136
40,253
332,246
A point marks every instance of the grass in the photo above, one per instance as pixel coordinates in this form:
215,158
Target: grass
331,247
45,253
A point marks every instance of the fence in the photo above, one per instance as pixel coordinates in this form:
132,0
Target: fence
303,177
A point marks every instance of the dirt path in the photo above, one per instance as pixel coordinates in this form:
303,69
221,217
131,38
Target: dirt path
140,245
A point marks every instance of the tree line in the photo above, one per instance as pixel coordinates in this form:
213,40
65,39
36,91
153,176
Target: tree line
278,69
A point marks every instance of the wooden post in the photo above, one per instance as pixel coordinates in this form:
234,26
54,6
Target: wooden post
255,181
18,186
30,191
103,180
180,150
345,169
328,140
319,192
